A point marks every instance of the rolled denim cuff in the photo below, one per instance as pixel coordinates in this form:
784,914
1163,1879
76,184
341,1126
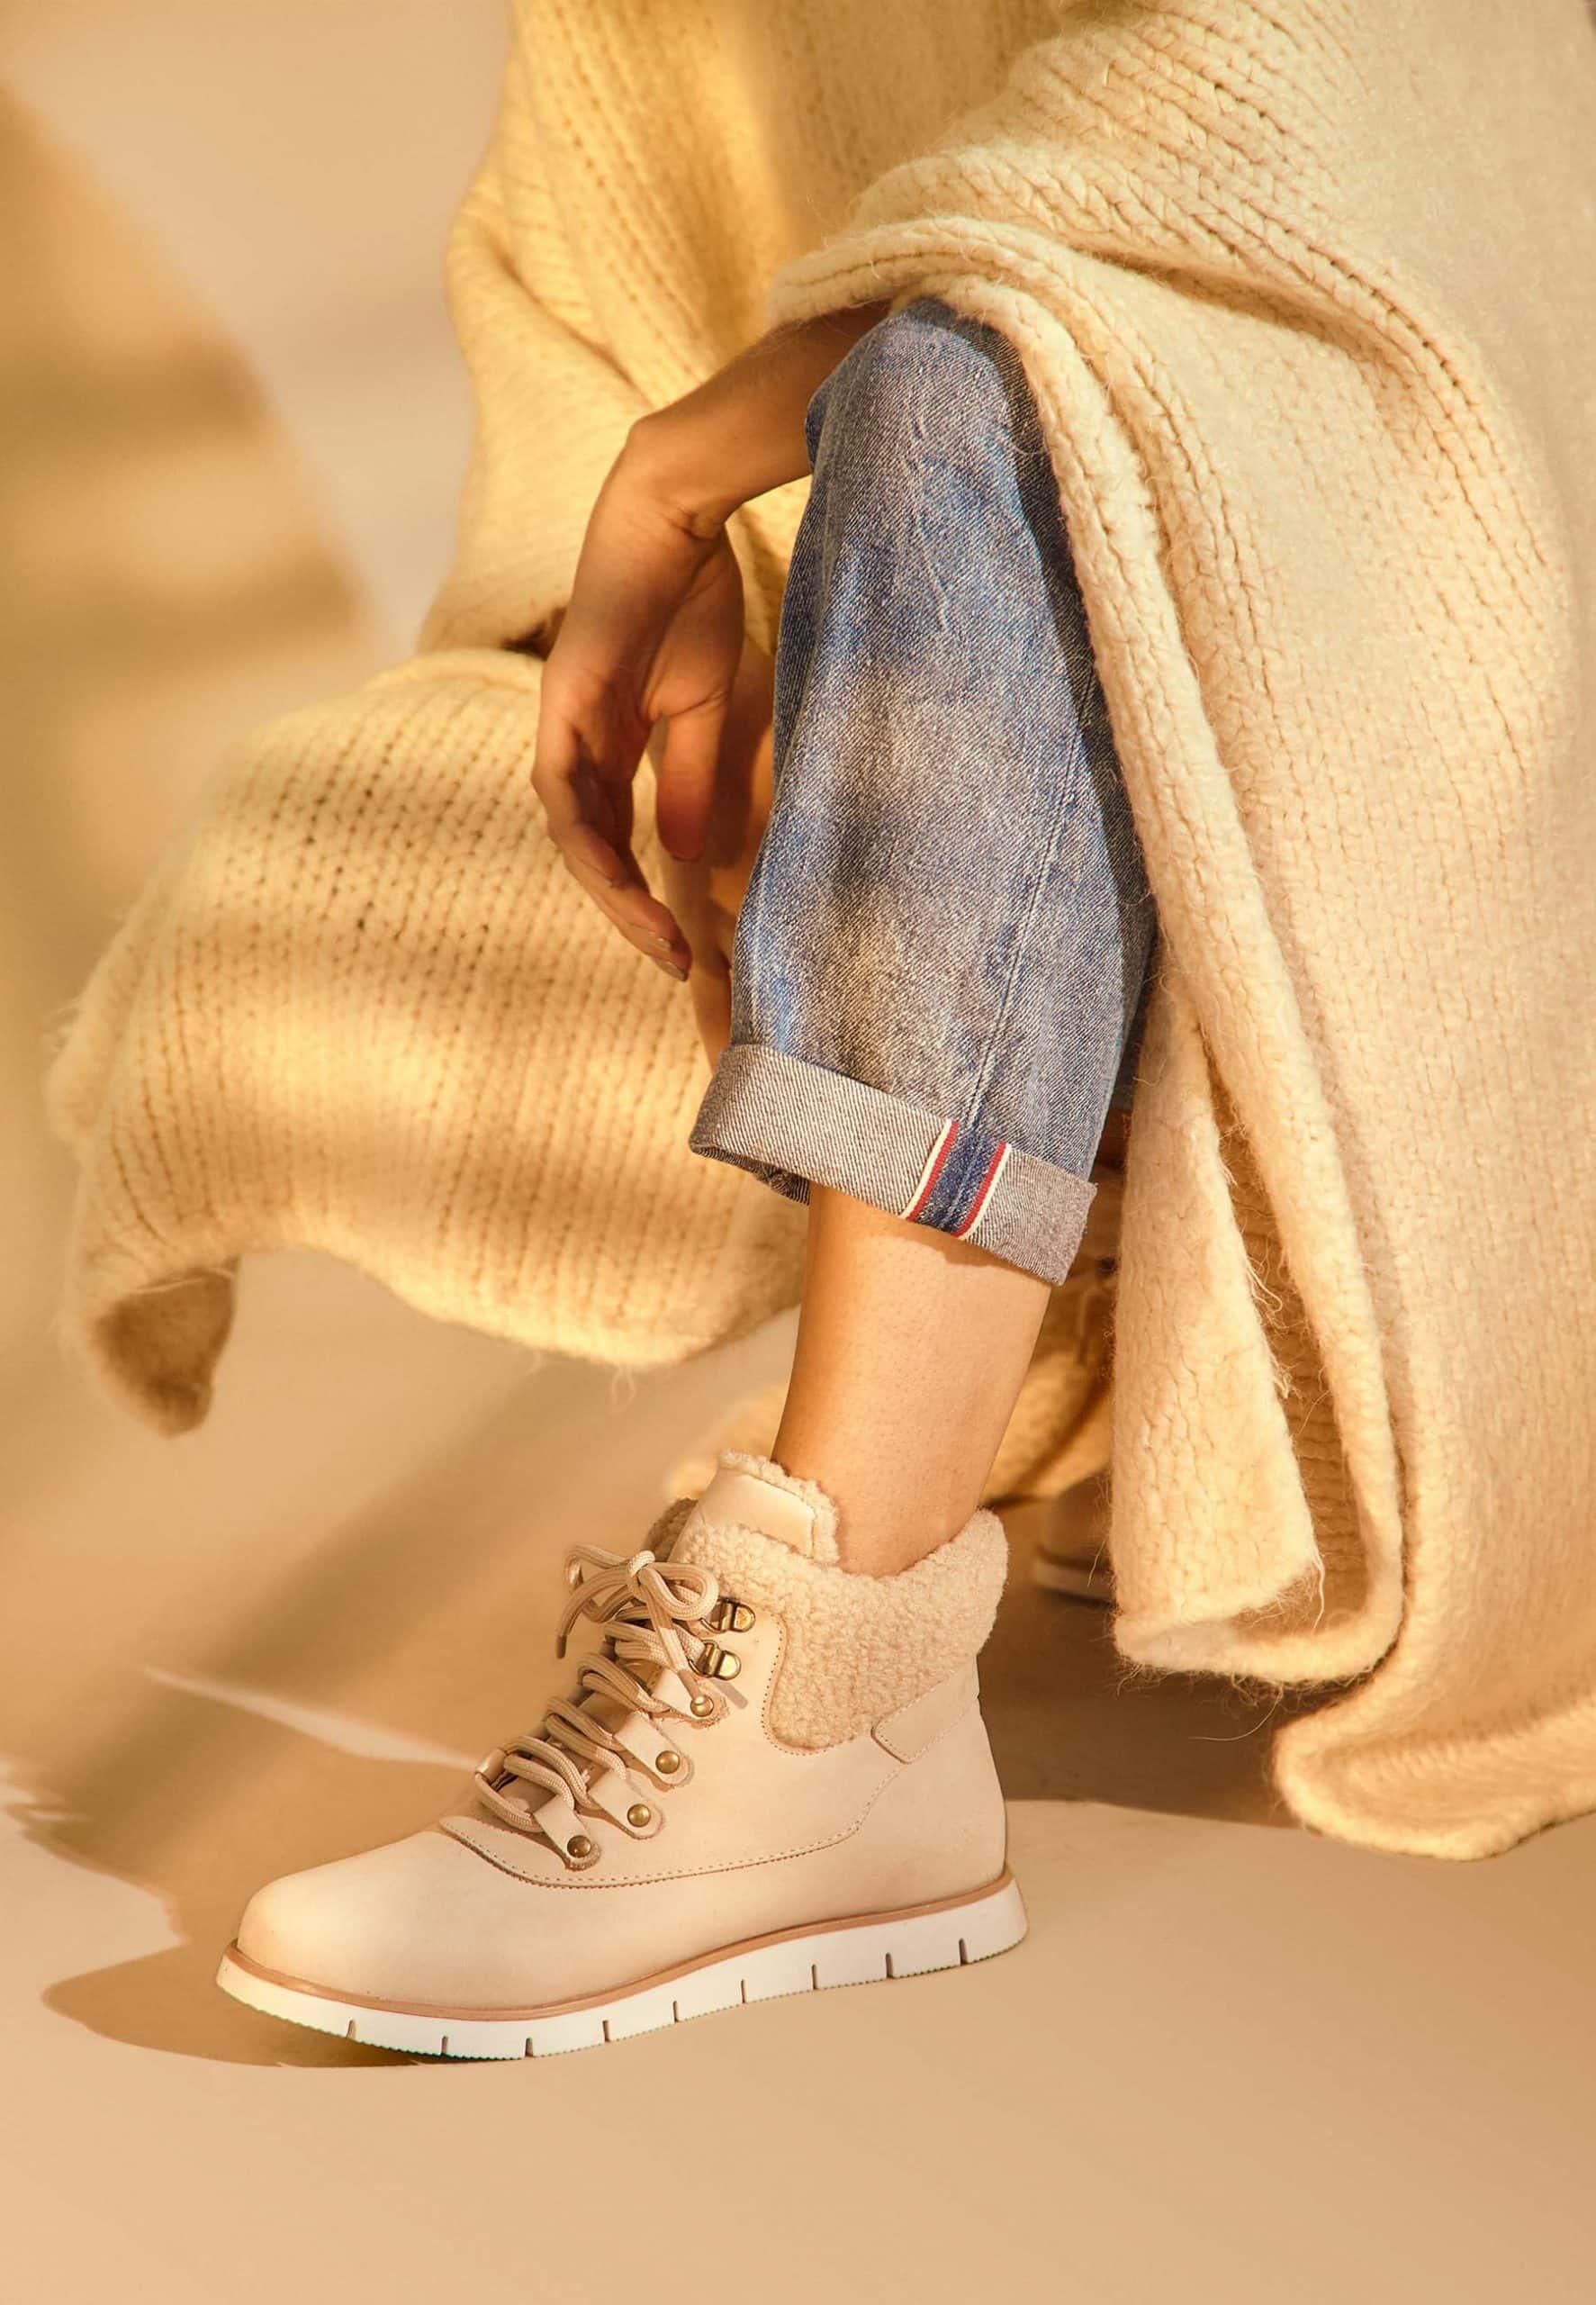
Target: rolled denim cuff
793,1123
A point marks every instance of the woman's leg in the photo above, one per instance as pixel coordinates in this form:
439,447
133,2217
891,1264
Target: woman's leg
772,1773
911,1350
942,957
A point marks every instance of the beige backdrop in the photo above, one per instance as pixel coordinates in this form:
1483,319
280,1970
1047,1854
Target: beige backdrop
1231,2062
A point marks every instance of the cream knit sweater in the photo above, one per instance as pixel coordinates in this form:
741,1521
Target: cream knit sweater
1307,293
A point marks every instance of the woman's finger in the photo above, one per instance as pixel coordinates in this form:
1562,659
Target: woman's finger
686,777
572,793
588,806
712,1003
645,923
556,763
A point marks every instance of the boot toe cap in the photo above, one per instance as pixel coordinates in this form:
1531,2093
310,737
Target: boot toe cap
406,1922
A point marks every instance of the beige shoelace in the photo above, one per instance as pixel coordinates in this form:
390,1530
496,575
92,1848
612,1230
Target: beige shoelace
647,1604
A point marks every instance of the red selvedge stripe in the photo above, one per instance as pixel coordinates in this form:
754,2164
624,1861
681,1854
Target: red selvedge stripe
935,1163
983,1191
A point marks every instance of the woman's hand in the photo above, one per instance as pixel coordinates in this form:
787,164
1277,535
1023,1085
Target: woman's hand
652,636
706,895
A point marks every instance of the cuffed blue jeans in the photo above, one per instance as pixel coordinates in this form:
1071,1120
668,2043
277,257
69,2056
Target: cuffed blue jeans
943,958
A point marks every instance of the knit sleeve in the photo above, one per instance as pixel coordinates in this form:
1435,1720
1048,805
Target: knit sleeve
552,409
1112,142
907,227
552,406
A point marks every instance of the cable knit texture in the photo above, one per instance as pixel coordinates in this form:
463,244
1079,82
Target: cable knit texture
856,1647
1307,297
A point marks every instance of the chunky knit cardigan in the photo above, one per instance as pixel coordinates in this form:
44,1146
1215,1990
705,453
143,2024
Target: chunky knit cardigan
1306,290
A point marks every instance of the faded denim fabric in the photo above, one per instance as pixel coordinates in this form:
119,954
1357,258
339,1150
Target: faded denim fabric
941,959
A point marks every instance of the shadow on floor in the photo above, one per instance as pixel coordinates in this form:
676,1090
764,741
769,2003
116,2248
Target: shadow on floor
1071,1720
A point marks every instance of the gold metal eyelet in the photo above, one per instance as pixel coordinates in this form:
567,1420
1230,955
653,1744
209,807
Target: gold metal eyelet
702,1707
668,1763
728,1615
717,1664
580,1847
640,1814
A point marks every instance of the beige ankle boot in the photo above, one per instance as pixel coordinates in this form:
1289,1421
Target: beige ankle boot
772,1776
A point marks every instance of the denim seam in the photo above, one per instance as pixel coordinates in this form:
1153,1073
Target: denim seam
1063,797
748,910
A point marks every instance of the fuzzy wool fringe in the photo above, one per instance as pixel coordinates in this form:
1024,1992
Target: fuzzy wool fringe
856,1647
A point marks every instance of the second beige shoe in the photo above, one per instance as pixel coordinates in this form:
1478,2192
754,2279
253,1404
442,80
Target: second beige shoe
1071,1553
772,1776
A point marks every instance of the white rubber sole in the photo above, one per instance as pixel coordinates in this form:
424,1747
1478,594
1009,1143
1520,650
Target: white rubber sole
865,1951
